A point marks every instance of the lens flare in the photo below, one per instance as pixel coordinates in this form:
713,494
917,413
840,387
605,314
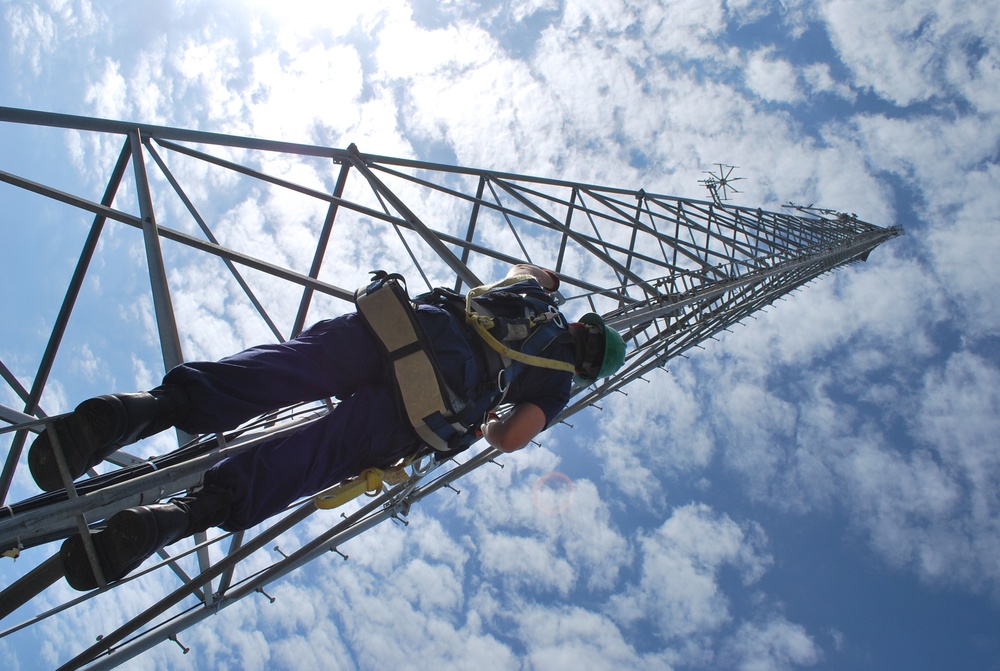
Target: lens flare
553,493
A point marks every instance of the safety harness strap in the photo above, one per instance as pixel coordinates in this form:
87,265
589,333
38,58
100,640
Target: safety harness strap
431,407
482,322
440,417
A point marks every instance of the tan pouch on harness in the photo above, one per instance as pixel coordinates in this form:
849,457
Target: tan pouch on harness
430,406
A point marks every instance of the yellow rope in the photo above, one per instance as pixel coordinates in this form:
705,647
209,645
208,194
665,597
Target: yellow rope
369,482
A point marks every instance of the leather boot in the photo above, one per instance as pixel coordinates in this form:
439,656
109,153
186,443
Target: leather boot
133,535
99,426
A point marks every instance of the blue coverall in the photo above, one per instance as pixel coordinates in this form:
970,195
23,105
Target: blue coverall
334,358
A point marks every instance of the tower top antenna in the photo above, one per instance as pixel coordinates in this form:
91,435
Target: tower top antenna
720,185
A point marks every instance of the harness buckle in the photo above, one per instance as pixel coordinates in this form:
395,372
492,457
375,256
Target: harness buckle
503,383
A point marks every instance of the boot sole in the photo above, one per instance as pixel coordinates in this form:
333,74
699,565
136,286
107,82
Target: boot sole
128,540
86,436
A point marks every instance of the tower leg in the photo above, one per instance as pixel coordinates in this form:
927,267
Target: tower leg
30,585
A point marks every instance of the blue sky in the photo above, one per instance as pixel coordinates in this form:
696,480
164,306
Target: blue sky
819,490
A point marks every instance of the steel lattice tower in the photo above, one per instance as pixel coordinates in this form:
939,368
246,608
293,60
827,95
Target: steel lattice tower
666,272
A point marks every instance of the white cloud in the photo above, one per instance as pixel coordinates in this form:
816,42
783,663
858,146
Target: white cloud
199,300
522,9
525,562
891,302
319,647
574,638
951,533
9,654
524,541
918,50
772,79
31,32
38,30
932,152
108,96
86,363
926,506
821,80
585,16
963,246
686,29
657,430
294,93
772,646
678,591
374,609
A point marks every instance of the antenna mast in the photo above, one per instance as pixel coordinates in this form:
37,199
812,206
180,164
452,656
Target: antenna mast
666,272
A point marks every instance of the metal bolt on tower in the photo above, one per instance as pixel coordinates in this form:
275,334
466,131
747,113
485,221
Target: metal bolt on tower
289,230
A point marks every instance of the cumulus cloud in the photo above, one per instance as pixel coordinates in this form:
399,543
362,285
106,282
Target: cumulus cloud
581,639
37,30
962,248
565,542
912,53
772,79
678,591
821,80
845,400
775,644
657,429
946,531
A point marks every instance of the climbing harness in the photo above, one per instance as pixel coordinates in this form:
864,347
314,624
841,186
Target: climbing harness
484,323
441,418
431,406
